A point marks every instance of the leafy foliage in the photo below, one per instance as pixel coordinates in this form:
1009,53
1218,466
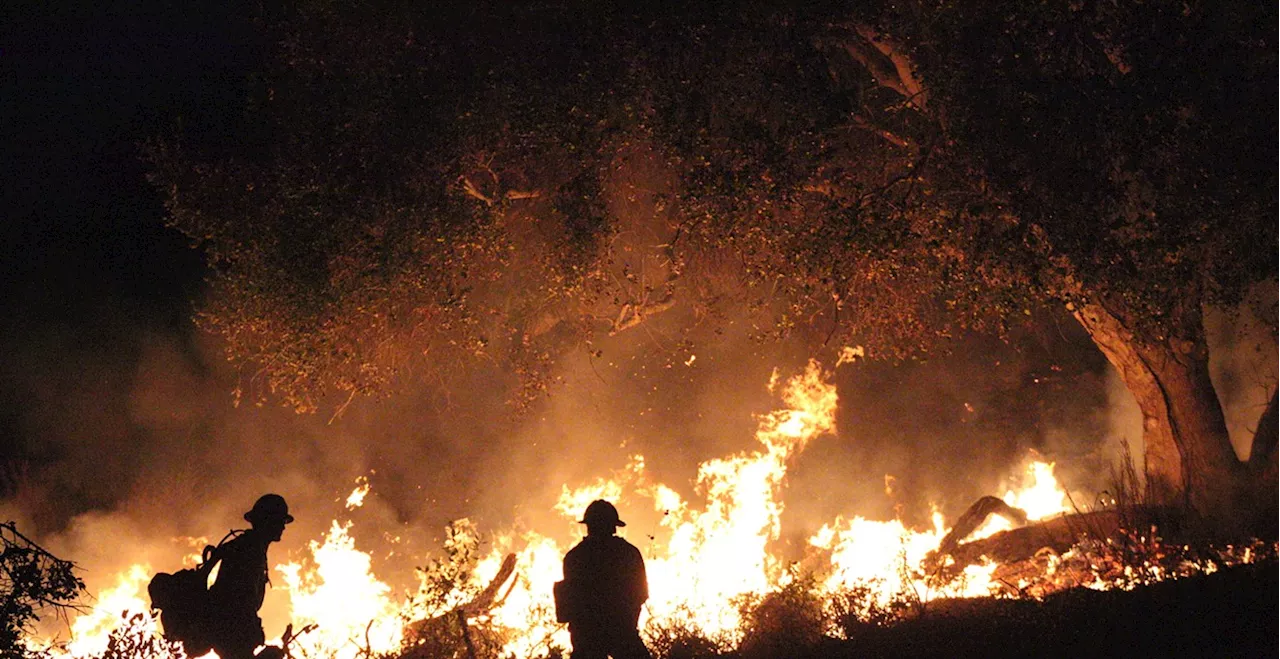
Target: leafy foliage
442,629
679,638
135,638
857,609
789,620
1132,141
443,580
32,582
424,187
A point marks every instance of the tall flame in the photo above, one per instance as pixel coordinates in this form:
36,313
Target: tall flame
340,595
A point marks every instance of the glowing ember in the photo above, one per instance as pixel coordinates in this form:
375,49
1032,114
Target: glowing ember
356,498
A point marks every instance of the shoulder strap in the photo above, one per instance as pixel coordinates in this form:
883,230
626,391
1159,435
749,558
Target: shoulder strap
211,554
231,535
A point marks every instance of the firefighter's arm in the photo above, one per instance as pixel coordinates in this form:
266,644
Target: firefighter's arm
641,580
564,595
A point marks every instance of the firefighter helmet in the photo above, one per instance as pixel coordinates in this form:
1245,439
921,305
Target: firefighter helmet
601,513
268,507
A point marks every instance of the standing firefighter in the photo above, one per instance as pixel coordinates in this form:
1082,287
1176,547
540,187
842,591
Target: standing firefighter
235,629
603,589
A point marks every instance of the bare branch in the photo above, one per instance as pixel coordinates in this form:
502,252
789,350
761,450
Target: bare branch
472,191
523,194
632,315
487,598
902,65
886,134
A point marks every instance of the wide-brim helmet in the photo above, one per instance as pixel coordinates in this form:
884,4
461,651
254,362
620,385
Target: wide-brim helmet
601,513
269,507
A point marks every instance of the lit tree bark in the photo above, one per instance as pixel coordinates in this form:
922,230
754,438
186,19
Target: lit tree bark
1189,460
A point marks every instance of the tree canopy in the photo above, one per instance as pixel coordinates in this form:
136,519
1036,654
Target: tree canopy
430,184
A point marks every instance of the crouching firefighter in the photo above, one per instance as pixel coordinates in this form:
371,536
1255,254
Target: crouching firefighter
603,590
224,618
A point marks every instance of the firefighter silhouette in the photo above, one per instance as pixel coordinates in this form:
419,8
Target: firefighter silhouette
234,628
603,590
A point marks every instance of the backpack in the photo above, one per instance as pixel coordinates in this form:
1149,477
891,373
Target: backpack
566,602
183,601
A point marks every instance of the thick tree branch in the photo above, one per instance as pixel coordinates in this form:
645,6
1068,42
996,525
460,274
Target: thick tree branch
904,69
886,61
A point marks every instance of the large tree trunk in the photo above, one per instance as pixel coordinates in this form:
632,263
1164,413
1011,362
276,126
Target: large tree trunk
1189,461
1262,454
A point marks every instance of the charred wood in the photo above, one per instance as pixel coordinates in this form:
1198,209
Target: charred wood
1058,534
975,516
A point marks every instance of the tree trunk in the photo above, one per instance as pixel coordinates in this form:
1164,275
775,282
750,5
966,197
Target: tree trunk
1189,461
1263,450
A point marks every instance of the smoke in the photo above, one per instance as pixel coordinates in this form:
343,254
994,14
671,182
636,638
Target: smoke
1243,361
137,454
1124,423
943,432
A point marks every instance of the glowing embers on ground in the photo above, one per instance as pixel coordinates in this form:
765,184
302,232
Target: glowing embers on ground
702,559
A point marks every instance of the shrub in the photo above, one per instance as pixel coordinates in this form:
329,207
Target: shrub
680,639
32,581
858,608
785,622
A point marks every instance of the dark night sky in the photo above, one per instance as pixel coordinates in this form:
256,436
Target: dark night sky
83,87
84,241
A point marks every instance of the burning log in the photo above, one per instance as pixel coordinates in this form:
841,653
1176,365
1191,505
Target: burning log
975,516
1057,534
1116,547
489,596
1034,560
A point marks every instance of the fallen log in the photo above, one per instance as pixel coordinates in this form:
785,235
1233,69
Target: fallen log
1057,533
975,516
440,635
1044,556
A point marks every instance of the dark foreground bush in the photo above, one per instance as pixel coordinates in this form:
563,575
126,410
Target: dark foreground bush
1231,613
681,640
33,582
789,620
